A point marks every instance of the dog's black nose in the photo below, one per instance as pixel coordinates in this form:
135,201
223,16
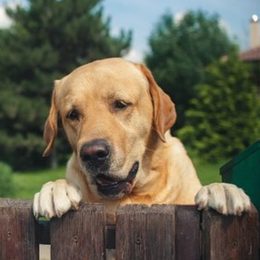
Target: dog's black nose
95,153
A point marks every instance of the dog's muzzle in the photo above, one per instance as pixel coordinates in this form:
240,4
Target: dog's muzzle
111,187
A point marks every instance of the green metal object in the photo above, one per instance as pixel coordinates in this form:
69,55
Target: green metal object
244,171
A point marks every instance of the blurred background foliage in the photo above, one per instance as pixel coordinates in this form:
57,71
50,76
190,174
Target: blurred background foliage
194,60
223,118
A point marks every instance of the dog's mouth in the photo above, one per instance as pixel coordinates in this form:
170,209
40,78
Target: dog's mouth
112,187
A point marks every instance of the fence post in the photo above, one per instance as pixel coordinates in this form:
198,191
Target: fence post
143,232
187,225
230,237
17,231
79,234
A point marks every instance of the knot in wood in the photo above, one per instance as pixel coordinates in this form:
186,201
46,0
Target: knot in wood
75,239
138,240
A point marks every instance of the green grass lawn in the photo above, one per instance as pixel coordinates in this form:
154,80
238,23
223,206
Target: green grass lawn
28,183
208,172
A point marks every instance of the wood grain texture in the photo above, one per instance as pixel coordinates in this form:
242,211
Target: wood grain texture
145,233
230,237
79,234
17,231
141,232
187,230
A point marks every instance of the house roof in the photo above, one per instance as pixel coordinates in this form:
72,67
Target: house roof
251,55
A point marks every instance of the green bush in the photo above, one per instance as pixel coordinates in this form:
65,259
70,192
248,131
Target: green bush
6,180
224,119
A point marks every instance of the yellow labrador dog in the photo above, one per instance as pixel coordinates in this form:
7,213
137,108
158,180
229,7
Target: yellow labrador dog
117,121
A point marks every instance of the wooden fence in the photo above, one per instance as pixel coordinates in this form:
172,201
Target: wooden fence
159,232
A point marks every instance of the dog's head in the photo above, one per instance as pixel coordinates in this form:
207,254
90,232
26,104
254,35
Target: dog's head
110,109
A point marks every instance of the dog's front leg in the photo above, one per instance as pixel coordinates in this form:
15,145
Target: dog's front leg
55,199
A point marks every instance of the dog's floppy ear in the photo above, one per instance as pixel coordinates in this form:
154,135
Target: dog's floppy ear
51,124
164,113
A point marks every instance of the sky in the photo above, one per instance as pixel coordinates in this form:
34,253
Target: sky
141,16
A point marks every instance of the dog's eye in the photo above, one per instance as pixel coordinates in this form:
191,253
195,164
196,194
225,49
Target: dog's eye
120,104
73,115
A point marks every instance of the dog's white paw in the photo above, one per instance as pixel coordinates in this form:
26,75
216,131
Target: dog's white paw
55,199
227,199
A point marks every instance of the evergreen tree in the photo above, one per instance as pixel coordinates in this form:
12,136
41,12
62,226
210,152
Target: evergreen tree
180,51
224,118
47,40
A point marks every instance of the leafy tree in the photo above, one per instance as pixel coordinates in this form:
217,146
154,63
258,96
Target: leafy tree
224,118
47,40
180,51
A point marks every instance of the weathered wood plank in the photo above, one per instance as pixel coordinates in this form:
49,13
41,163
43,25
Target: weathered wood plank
17,231
145,233
79,234
187,230
230,237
